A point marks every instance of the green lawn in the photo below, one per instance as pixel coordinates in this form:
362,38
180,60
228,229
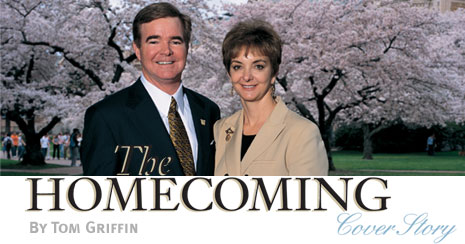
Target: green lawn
381,173
351,163
26,174
14,165
348,163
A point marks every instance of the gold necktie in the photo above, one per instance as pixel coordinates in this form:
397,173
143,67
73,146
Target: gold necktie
180,140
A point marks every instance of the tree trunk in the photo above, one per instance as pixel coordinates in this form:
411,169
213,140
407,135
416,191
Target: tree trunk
33,154
325,130
367,142
326,140
370,130
326,136
7,125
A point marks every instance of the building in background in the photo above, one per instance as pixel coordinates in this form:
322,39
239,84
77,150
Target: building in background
441,5
7,125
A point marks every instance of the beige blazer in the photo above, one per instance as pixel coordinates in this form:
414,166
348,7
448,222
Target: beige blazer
287,144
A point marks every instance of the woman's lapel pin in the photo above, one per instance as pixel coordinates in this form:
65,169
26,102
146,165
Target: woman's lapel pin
229,133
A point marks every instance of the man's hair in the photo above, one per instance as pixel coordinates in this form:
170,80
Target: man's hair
157,11
256,36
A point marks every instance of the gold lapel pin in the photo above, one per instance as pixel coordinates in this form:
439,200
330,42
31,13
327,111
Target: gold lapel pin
202,122
229,132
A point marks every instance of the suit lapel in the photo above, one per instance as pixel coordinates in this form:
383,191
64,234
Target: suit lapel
266,135
150,126
201,130
233,146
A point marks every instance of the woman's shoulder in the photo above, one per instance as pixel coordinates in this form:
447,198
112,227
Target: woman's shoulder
229,119
298,124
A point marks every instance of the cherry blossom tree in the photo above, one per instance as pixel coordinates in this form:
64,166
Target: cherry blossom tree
435,98
353,56
30,81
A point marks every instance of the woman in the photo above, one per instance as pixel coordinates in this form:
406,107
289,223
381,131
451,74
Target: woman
265,137
56,147
74,146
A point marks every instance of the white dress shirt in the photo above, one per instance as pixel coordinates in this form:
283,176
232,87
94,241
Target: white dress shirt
44,142
162,101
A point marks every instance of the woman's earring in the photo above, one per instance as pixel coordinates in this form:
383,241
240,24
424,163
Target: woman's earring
232,91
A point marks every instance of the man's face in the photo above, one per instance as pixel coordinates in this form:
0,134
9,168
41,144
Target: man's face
162,51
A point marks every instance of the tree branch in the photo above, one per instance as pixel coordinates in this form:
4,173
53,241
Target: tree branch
131,58
16,117
112,44
379,128
315,90
303,110
72,61
282,82
27,12
295,8
49,126
336,77
29,69
391,41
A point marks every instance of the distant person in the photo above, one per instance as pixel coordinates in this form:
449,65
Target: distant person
21,146
44,143
61,142
56,147
74,146
79,140
14,148
430,142
66,137
8,143
3,145
50,147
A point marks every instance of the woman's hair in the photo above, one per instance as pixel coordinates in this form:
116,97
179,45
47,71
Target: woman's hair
256,36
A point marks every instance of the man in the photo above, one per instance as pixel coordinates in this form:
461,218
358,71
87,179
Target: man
8,143
66,142
430,143
14,148
44,143
56,147
61,142
74,146
21,146
156,126
3,145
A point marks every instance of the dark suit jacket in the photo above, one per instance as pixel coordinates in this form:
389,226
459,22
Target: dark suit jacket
125,135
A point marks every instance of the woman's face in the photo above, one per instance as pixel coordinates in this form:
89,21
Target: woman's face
251,75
